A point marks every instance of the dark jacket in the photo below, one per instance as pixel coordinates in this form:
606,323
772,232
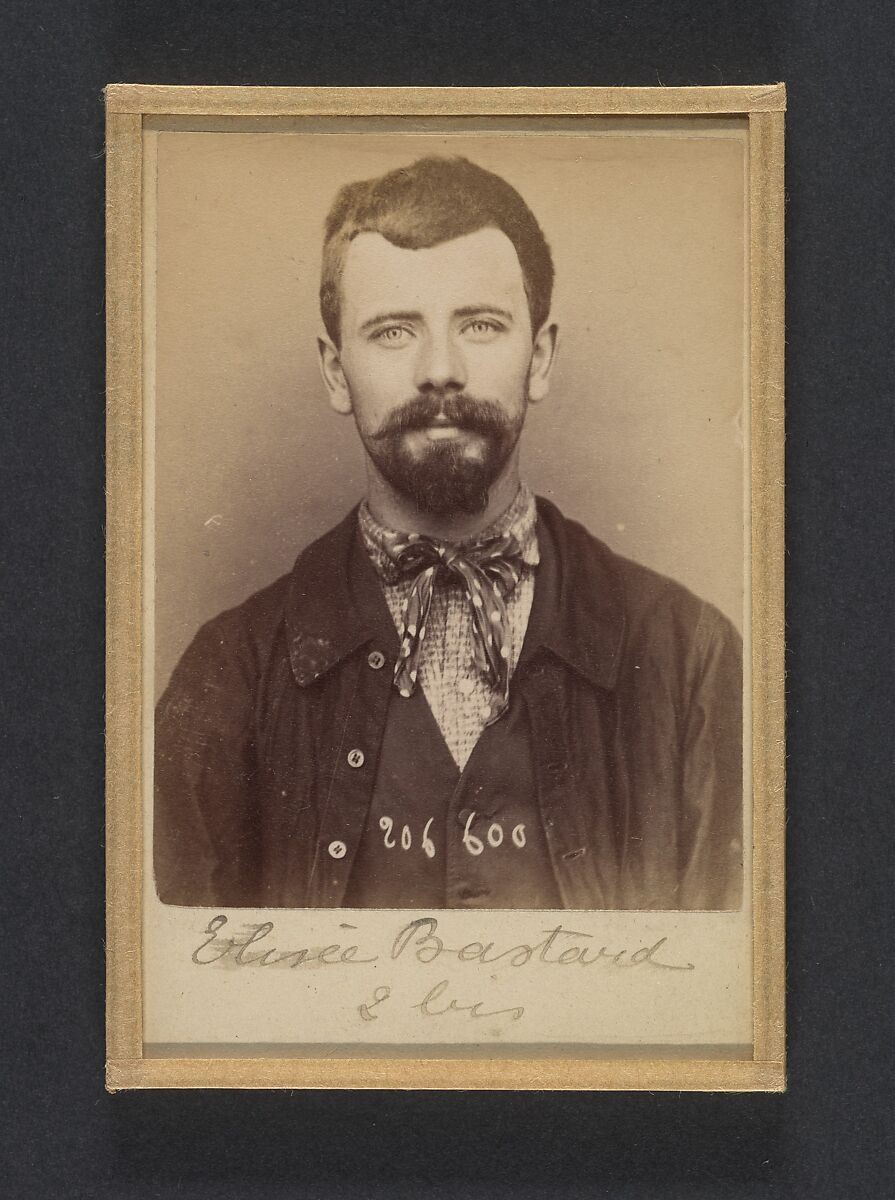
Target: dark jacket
633,688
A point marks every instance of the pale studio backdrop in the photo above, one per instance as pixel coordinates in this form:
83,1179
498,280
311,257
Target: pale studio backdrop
641,439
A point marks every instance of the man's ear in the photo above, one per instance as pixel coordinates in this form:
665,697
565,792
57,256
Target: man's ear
542,356
334,376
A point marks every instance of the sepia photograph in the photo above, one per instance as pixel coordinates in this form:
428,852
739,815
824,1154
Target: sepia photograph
452,457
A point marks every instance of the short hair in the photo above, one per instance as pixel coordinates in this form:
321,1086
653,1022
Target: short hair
434,200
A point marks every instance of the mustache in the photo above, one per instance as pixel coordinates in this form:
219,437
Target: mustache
466,412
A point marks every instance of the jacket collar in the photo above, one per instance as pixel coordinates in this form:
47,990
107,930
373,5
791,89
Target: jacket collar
335,603
324,624
585,624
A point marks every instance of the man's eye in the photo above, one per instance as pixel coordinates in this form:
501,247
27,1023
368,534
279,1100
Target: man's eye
482,330
392,335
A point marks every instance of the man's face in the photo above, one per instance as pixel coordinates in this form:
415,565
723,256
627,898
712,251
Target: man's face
437,363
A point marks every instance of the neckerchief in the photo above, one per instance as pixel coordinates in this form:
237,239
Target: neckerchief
488,569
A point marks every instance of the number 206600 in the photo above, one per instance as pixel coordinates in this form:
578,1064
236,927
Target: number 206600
494,837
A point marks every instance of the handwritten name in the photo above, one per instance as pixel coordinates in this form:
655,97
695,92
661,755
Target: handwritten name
419,937
419,940
236,949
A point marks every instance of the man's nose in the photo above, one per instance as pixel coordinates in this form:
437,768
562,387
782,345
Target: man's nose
440,364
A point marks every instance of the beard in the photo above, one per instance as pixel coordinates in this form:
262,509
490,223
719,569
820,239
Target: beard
445,478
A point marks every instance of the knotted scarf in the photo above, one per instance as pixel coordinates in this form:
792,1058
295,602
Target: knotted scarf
488,570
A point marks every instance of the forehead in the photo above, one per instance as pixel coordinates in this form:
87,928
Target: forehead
478,268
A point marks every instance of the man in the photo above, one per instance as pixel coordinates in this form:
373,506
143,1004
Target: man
458,697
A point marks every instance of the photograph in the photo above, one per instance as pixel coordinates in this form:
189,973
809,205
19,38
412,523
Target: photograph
447,614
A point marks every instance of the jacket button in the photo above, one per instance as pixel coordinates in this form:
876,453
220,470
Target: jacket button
337,849
376,659
355,758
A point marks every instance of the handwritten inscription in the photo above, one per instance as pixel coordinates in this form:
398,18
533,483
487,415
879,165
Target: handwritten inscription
419,941
472,844
431,1005
236,949
419,937
436,1004
380,995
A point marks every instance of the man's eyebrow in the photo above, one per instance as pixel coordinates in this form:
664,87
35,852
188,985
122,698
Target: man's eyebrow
476,310
383,318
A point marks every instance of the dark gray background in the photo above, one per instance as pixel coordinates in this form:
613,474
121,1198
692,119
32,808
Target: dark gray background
831,1135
